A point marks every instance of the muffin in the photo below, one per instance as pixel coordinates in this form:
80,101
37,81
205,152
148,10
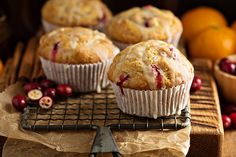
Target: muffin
71,13
151,79
141,24
77,56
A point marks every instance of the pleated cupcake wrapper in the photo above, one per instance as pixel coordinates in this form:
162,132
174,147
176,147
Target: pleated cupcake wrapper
174,41
82,78
176,38
48,27
153,104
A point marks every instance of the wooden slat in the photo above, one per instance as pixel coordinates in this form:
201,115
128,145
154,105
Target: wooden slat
27,63
207,129
16,61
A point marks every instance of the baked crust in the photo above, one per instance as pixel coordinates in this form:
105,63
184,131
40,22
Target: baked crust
140,24
150,65
76,46
87,13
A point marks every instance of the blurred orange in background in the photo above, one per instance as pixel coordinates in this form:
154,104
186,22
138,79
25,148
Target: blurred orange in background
207,34
213,43
1,67
197,20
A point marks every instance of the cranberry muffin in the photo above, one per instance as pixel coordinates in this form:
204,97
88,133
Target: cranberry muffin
77,56
151,78
71,13
141,24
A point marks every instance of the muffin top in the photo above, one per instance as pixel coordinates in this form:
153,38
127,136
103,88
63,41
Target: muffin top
150,65
85,13
76,46
140,24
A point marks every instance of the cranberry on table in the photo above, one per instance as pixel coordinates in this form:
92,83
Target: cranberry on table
233,120
45,102
64,90
196,84
227,66
19,102
47,84
50,92
226,121
30,86
35,94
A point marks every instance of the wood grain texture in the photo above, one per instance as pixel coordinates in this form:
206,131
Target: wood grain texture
207,131
27,63
229,149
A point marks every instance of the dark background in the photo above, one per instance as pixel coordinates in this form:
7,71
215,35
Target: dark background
23,16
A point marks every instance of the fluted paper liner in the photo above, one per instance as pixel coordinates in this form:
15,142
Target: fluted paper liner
48,27
152,143
81,77
153,103
174,40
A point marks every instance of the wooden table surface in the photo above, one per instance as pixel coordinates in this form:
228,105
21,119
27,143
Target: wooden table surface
202,121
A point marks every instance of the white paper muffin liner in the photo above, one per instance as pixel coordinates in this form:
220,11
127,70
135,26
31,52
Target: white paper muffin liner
173,40
48,27
81,77
153,103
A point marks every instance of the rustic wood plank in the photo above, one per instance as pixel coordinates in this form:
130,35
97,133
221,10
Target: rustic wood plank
207,129
16,61
27,64
229,143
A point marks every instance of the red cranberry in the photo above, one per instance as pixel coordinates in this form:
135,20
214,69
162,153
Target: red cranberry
122,78
47,84
51,92
64,90
226,121
229,108
196,84
232,116
35,94
227,66
45,102
19,102
159,81
103,19
146,23
30,86
54,51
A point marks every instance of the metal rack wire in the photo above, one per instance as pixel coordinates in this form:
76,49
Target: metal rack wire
89,111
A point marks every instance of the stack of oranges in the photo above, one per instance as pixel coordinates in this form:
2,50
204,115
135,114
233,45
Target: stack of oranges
207,34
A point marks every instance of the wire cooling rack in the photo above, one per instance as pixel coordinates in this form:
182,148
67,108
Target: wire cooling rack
93,110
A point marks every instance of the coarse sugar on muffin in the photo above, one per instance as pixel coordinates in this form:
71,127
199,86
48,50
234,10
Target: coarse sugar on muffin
72,13
151,78
141,24
78,57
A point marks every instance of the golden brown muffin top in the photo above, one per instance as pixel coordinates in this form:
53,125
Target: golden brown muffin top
140,24
85,13
76,46
150,65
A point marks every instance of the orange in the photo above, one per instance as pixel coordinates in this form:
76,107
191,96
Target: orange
198,19
1,67
213,43
233,26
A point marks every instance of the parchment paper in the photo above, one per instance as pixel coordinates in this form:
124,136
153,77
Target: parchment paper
130,143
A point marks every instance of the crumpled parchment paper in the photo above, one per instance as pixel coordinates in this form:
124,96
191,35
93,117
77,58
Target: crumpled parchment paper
130,143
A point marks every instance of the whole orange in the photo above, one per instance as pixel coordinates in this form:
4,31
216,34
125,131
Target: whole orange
233,26
213,43
198,19
1,67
